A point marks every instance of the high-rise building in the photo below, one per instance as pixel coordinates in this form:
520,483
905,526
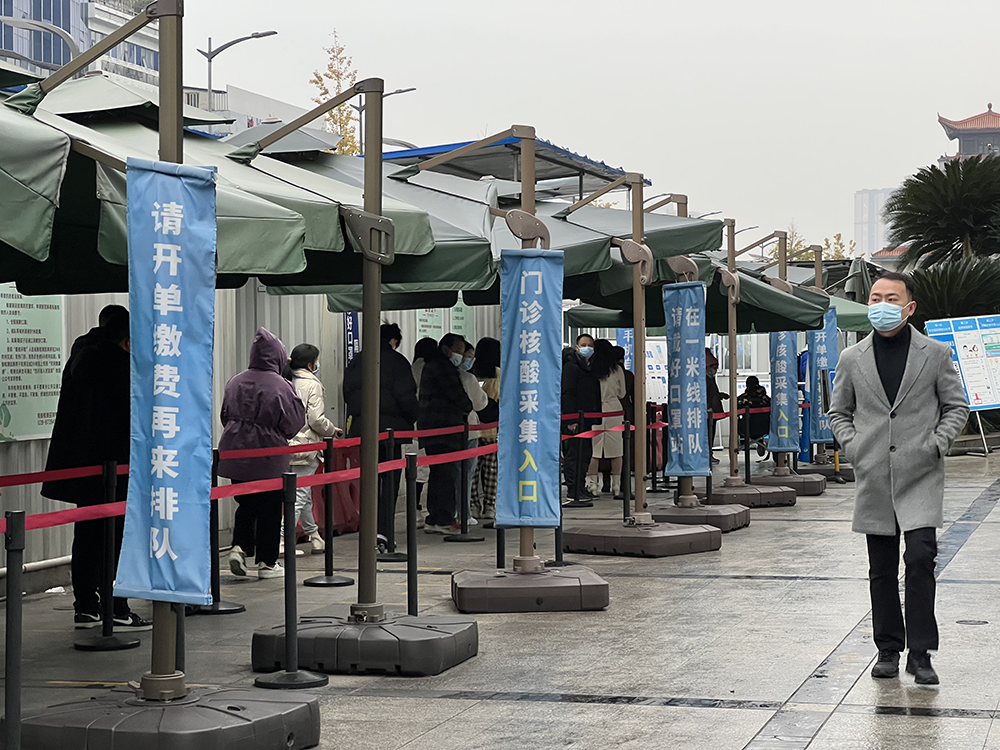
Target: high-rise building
43,35
869,229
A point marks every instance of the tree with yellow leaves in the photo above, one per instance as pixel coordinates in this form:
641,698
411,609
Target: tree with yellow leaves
339,76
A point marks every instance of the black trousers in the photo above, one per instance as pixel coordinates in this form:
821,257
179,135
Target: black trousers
87,567
388,490
919,630
442,498
257,529
577,453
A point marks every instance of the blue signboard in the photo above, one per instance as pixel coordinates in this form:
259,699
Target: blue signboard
171,251
687,401
531,284
626,340
784,433
352,336
823,355
975,352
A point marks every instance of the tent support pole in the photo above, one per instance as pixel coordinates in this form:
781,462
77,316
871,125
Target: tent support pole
734,479
639,336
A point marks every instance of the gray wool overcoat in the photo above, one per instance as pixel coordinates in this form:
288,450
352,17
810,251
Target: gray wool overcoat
898,449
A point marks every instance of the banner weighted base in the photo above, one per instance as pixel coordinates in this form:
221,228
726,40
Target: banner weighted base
658,540
322,581
391,557
107,643
398,645
751,496
297,680
220,608
803,484
573,588
222,719
828,470
725,518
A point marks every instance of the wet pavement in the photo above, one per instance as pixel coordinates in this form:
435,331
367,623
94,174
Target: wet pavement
764,644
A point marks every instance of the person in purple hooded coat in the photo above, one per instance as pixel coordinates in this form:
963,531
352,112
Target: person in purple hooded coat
260,409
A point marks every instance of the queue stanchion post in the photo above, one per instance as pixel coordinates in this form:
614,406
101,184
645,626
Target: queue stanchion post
579,474
626,471
328,578
463,497
107,640
411,534
746,442
501,548
387,501
292,678
218,606
652,465
14,544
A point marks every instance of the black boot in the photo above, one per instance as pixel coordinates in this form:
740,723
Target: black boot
918,663
887,664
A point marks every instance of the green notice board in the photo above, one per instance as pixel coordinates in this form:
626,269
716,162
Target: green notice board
31,332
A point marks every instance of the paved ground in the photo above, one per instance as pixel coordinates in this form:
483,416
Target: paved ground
765,644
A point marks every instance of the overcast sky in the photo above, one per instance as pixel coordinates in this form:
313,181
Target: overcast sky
767,110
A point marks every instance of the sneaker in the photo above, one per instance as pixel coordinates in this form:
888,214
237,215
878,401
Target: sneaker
281,551
887,664
918,663
318,545
237,561
420,520
473,521
84,620
270,571
442,530
130,623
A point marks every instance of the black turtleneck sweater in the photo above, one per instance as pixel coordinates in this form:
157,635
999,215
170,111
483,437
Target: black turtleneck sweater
890,359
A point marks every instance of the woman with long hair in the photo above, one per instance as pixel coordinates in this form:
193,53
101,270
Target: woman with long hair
484,482
604,366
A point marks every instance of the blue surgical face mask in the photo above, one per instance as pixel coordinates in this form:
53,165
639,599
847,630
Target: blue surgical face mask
586,352
468,363
885,316
316,367
456,359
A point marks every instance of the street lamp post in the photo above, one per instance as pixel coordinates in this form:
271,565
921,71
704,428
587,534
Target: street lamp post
210,55
360,109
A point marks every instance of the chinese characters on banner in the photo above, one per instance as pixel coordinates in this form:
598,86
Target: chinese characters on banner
822,356
531,285
784,434
626,340
352,336
687,400
171,251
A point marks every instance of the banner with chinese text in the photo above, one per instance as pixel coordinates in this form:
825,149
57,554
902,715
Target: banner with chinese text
784,434
823,355
687,399
531,284
171,251
626,340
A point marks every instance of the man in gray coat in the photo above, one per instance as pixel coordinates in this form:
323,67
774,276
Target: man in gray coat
897,406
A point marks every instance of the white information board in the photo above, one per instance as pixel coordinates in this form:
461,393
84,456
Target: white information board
975,351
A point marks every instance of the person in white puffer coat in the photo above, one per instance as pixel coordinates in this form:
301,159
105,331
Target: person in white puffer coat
303,364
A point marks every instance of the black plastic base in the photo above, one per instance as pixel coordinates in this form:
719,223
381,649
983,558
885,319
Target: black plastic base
829,470
578,504
107,643
220,608
399,645
208,719
574,588
391,557
323,581
559,563
298,680
803,484
725,518
751,496
467,537
658,540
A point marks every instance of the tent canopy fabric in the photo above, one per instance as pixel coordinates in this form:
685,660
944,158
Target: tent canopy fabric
303,140
851,316
15,75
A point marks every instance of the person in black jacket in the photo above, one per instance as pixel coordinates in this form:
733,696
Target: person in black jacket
443,403
397,411
581,391
92,426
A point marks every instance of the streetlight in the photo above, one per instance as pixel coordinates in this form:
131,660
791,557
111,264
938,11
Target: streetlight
360,109
710,213
210,55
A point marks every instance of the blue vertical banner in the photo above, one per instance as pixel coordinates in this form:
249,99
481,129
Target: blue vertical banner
687,401
352,336
531,285
171,264
626,340
823,355
784,434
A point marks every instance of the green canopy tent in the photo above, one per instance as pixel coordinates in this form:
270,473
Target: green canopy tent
15,75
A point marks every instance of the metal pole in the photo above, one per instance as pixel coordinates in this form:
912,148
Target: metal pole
820,456
211,108
501,548
328,579
733,480
651,449
368,608
463,499
746,444
411,534
639,326
218,606
982,431
14,544
180,611
626,475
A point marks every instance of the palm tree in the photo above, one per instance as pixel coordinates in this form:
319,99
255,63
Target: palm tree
947,214
963,288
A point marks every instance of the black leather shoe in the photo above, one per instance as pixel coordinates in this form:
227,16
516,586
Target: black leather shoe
918,663
887,664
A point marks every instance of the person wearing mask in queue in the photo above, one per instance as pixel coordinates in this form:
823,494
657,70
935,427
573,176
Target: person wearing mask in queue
93,426
898,405
260,409
479,401
580,392
714,396
422,350
605,368
484,483
303,364
443,403
397,411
